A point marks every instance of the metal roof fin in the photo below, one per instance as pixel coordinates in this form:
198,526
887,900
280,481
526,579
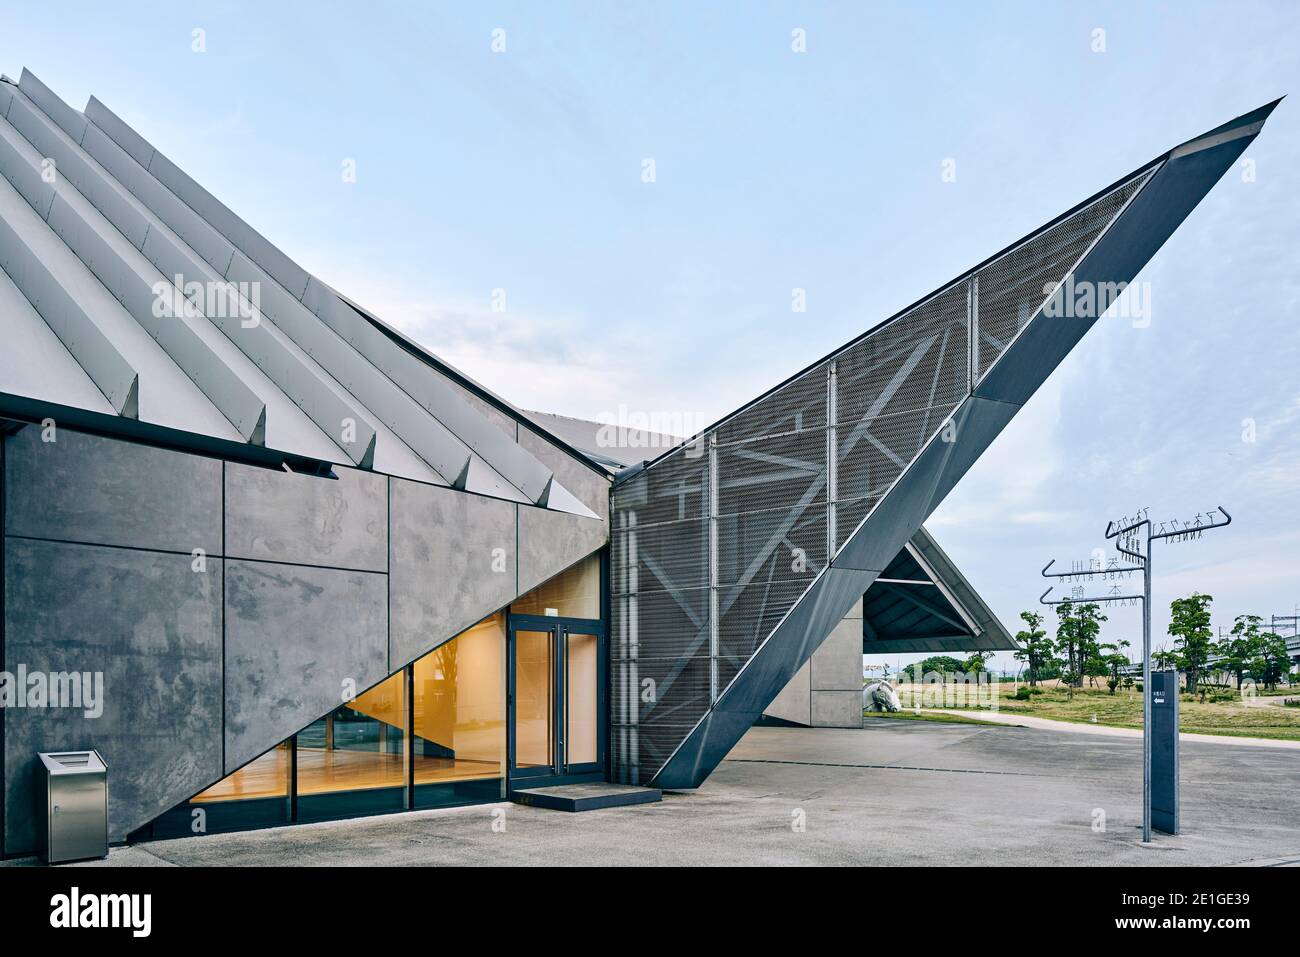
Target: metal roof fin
462,480
544,499
131,403
258,435
367,460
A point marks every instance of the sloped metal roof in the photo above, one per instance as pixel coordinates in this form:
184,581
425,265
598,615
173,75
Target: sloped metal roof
922,602
133,303
613,447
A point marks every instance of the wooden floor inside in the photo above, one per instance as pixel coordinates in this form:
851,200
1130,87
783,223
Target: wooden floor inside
325,772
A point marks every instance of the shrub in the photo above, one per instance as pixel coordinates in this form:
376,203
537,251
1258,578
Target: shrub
1022,693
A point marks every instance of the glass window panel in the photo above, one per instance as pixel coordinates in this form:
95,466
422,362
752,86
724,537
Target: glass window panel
460,707
358,746
264,777
574,593
534,699
580,698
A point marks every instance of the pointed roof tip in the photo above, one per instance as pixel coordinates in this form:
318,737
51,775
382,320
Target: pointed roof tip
1259,114
1267,109
1256,116
1245,125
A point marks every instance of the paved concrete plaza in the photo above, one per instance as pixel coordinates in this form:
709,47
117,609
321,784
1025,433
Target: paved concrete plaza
896,792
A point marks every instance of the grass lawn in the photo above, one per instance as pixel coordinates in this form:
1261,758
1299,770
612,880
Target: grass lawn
1124,710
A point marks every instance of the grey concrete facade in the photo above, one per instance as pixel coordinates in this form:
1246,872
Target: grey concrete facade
836,676
228,607
826,692
279,517
299,642
152,625
547,546
453,555
77,489
794,703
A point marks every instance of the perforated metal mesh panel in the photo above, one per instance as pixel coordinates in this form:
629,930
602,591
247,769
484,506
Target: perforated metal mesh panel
849,514
896,388
714,544
655,702
798,406
750,612
772,543
661,665
1012,288
772,472
874,453
915,362
666,557
674,489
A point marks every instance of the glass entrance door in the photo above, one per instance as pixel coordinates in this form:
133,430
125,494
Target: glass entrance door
534,700
556,674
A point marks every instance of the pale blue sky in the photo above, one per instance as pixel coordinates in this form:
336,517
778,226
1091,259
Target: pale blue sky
522,171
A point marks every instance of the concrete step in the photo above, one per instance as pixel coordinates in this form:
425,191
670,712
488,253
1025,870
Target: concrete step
585,797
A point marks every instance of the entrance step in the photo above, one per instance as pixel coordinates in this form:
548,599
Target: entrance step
585,797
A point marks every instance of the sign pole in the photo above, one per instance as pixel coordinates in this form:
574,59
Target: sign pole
1146,692
1126,543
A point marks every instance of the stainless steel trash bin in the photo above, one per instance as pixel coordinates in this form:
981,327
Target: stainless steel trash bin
73,806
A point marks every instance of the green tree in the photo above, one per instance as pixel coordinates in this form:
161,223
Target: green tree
1115,661
1189,625
1077,630
1275,660
1035,647
1094,668
1163,659
1244,647
940,664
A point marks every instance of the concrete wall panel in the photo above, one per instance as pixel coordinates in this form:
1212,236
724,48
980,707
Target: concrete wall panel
794,703
152,626
837,709
836,666
85,488
588,486
294,635
302,519
453,564
549,542
837,663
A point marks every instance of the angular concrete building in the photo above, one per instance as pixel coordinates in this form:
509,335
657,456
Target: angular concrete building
921,603
278,563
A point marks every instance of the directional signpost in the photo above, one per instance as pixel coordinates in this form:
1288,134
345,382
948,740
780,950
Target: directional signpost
1128,542
1164,751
